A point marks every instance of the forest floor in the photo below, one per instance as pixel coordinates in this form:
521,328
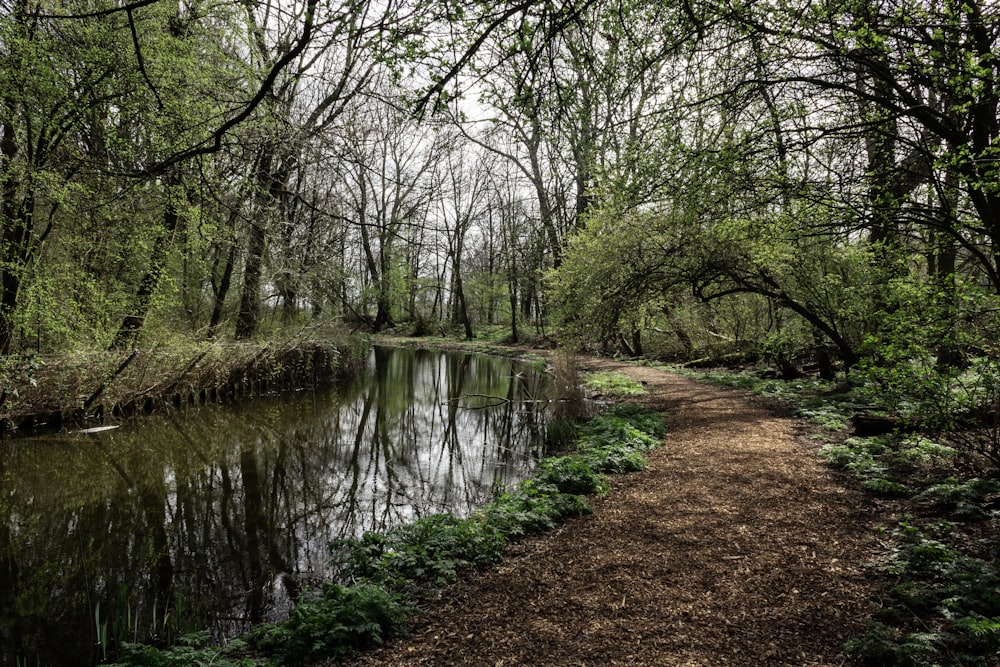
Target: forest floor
736,546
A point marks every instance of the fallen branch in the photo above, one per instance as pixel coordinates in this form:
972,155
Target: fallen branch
100,390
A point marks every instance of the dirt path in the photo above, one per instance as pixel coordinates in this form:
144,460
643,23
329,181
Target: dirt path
735,547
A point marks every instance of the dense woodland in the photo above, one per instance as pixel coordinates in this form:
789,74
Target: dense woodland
677,178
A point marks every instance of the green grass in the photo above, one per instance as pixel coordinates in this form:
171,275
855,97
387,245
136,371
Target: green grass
614,384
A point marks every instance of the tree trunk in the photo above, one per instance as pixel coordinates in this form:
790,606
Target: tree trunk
17,204
248,318
461,309
222,292
942,274
270,183
134,321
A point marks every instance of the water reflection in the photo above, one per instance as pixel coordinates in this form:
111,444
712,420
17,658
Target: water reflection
213,516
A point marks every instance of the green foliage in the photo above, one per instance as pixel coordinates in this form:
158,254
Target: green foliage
961,500
636,415
532,507
614,459
828,418
610,442
17,372
571,475
334,622
614,441
615,384
872,460
191,650
883,646
607,430
944,608
918,449
887,487
936,364
429,550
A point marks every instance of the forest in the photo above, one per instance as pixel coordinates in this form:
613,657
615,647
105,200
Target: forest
810,185
682,179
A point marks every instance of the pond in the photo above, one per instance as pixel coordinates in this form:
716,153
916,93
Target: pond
214,516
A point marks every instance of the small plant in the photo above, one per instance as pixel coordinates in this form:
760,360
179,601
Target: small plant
532,507
614,459
429,551
962,500
335,622
827,417
887,488
571,475
919,449
943,609
616,432
857,457
191,650
883,646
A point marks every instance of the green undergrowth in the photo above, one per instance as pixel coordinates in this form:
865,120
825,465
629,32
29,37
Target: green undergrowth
941,605
614,384
381,577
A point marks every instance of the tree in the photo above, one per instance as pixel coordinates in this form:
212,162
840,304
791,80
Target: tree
390,162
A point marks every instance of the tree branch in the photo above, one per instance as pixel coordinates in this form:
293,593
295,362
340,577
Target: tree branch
214,143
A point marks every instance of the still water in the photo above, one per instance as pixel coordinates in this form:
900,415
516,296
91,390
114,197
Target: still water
213,516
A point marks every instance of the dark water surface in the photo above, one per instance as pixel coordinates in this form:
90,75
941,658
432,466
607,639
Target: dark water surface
213,516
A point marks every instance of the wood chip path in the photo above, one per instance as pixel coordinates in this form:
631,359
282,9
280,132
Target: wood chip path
735,547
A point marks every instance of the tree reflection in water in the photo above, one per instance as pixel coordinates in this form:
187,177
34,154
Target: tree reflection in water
215,516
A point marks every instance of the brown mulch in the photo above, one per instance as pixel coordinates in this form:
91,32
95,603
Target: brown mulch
735,547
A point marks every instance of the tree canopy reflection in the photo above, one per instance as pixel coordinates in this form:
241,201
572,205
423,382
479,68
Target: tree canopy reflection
215,516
